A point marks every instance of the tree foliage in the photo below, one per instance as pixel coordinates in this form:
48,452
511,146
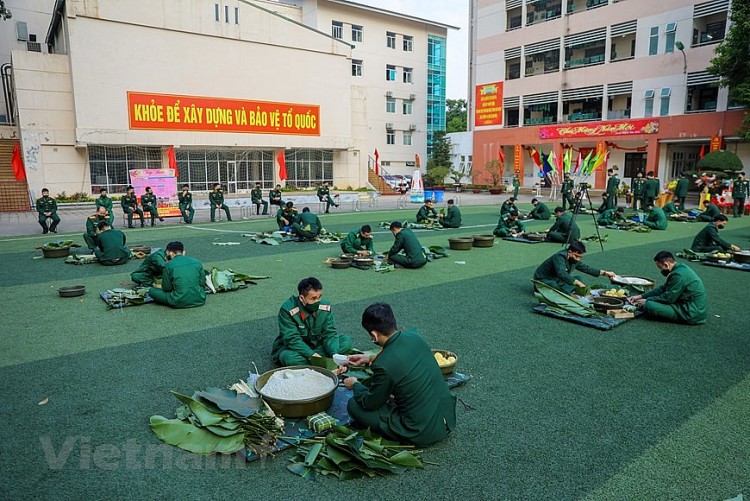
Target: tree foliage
4,12
731,60
494,170
439,164
720,161
455,115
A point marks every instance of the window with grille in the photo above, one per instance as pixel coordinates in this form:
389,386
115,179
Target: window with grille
308,168
337,29
200,168
110,166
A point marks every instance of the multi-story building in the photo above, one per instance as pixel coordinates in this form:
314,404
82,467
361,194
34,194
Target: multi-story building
228,84
628,77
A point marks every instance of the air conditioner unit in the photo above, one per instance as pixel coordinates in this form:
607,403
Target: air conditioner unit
389,93
665,92
648,94
412,96
670,28
413,127
389,126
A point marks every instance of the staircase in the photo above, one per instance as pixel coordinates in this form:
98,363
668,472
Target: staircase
377,182
14,195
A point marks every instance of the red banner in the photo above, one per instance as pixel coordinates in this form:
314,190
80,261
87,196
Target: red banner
716,143
517,158
599,129
208,114
488,104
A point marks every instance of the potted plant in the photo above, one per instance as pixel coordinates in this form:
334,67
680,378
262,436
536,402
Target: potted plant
624,191
495,170
458,175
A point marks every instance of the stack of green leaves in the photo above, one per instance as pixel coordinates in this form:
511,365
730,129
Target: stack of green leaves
347,454
227,280
219,421
560,302
59,244
640,229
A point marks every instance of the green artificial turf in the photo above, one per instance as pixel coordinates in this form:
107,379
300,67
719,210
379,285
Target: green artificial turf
645,411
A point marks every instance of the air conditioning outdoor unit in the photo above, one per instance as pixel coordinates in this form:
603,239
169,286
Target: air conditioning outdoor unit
389,93
389,126
413,127
412,96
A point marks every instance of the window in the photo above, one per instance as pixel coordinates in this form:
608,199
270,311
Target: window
407,107
216,12
671,31
110,166
390,39
337,29
226,13
308,168
634,163
356,67
22,31
653,42
236,15
390,137
390,72
408,43
407,138
356,33
408,75
649,107
664,104
390,105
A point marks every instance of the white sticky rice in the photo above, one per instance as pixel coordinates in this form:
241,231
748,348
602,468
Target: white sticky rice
297,384
632,280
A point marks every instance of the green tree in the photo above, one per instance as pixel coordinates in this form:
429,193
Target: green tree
4,12
439,164
720,163
731,60
455,115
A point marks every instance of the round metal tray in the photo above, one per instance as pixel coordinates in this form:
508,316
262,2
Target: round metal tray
72,291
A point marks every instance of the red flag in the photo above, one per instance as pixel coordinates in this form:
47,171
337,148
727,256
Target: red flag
172,161
703,151
282,166
501,155
377,162
17,163
534,154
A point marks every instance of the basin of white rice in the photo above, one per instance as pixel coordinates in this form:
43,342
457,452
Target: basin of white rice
297,384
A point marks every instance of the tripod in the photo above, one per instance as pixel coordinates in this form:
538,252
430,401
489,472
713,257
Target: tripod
583,191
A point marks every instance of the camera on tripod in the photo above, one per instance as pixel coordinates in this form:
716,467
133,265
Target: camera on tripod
584,186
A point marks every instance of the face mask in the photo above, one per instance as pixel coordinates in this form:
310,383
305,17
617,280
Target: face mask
665,273
312,307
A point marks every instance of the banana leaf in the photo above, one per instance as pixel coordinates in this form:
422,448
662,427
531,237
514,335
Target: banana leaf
324,362
193,439
439,251
204,415
640,229
562,301
59,244
228,400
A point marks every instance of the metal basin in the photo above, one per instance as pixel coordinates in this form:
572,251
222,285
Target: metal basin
742,257
341,264
298,408
484,240
603,303
460,243
72,291
56,252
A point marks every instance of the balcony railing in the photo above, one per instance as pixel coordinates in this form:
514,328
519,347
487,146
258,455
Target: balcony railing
618,114
540,120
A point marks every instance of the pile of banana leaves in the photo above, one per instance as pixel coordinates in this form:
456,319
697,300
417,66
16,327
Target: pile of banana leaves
560,302
227,280
435,252
219,421
639,229
594,238
326,237
59,244
121,297
430,224
347,454
275,238
691,255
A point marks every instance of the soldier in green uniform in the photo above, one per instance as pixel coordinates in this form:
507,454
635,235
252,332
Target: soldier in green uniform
567,191
286,217
610,217
256,196
324,195
150,269
307,327
672,208
682,298
557,270
359,241
91,237
452,218
655,219
681,190
712,210
540,210
129,204
183,282
216,198
509,226
151,205
564,229
111,249
613,183
274,197
106,202
708,239
427,212
413,256
516,185
185,199
47,209
508,206
407,399
307,226
636,189
740,188
650,189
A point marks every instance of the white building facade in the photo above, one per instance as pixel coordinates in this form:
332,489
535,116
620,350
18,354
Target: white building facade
228,84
